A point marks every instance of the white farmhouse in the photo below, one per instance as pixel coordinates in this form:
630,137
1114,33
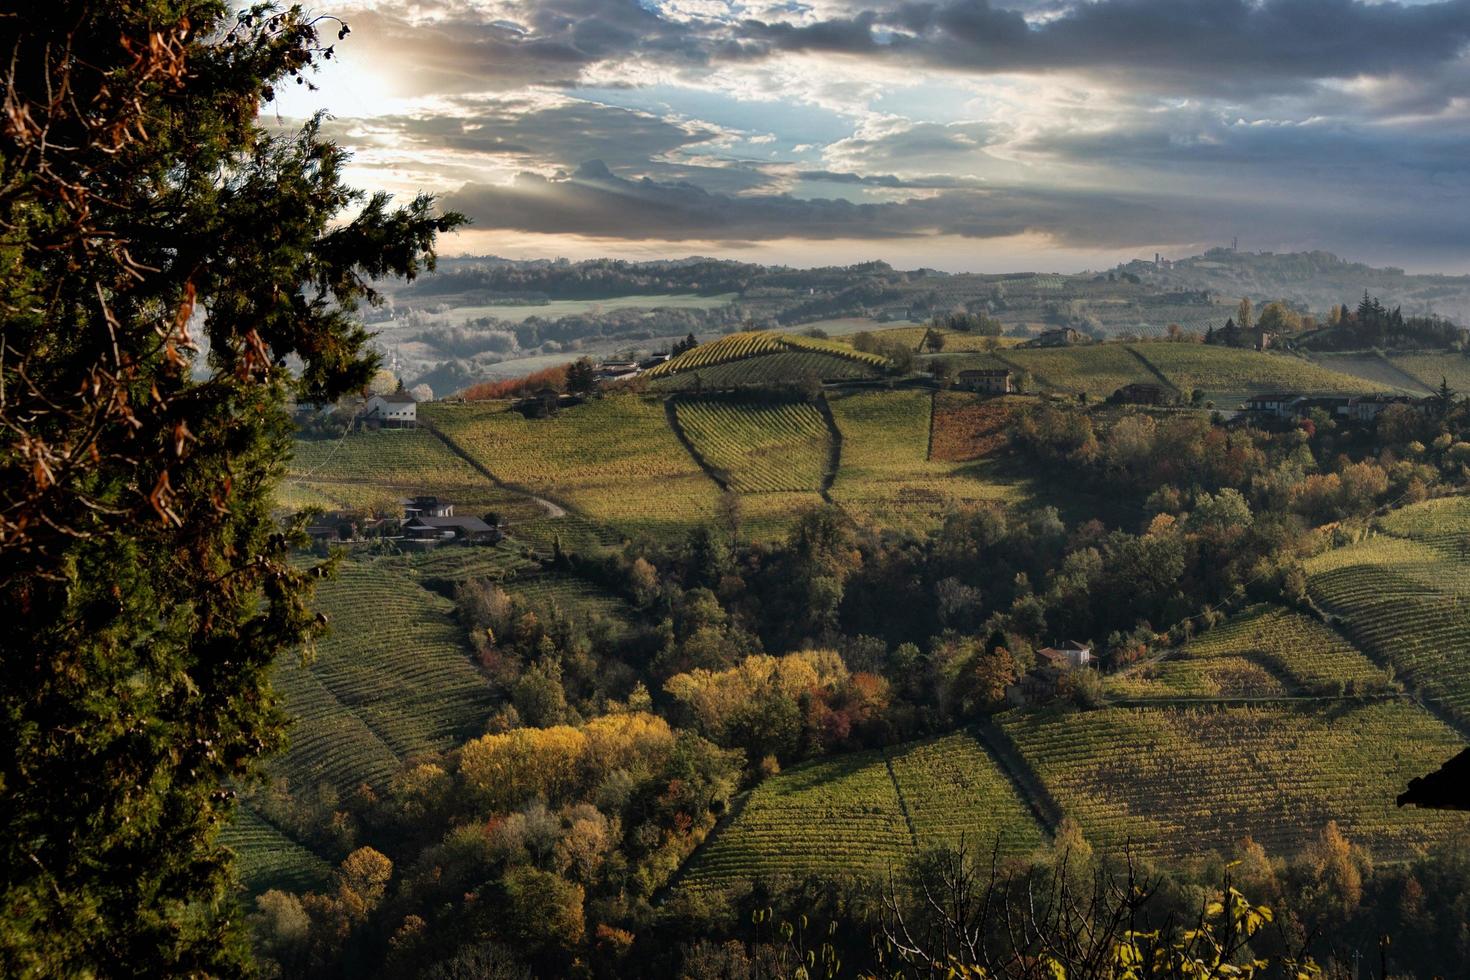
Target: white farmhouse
397,410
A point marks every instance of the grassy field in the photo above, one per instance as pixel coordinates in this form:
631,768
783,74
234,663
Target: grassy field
1224,373
1177,782
1405,599
886,476
614,459
391,679
759,446
1097,369
1265,651
847,815
267,858
1374,367
377,469
1429,369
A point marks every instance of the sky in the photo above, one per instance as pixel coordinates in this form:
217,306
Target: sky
964,135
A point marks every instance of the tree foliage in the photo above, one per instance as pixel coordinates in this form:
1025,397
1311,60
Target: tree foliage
162,257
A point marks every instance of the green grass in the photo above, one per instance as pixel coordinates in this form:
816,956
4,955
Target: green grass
391,680
377,469
844,815
1225,373
759,447
1265,651
613,459
1429,369
1097,369
267,858
1179,782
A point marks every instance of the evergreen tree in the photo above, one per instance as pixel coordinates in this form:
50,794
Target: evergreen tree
147,589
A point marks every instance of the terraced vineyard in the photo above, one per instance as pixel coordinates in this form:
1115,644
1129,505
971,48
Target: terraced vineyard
392,679
1406,602
782,367
886,477
759,447
614,459
749,344
844,815
1265,651
1174,783
267,858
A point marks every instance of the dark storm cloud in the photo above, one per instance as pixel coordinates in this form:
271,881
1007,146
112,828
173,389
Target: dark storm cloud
1225,45
1217,45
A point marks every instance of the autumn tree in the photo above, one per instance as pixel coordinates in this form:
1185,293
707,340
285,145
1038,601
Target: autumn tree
163,258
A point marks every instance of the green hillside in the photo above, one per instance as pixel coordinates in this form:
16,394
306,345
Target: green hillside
873,811
759,447
391,679
613,459
1177,782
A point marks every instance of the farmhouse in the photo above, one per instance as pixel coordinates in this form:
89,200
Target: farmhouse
1357,408
397,410
430,531
617,370
427,506
1067,655
992,381
1139,393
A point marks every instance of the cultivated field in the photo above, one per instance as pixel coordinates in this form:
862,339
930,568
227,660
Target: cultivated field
755,343
969,426
614,459
1265,651
1406,600
1177,782
1097,369
759,446
391,679
886,477
866,813
1429,369
1225,373
779,368
268,858
375,470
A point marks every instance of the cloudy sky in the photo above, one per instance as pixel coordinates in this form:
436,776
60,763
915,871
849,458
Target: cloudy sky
960,134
